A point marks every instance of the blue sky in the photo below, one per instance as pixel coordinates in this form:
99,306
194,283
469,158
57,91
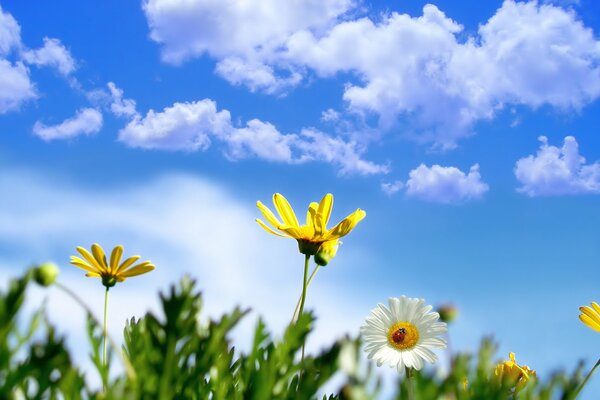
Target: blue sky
469,135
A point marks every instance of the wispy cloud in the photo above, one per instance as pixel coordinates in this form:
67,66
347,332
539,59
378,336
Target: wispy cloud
87,121
193,126
557,171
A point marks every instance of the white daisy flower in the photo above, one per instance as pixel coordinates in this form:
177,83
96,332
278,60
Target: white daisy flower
403,335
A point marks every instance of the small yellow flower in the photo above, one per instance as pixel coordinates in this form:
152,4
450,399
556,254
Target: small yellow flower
111,273
314,233
509,373
591,316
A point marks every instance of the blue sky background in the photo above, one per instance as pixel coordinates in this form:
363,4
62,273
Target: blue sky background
513,242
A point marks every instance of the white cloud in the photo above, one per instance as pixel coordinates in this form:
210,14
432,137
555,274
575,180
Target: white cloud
346,155
187,28
445,184
184,224
257,77
183,126
390,188
415,69
119,106
87,121
52,54
557,171
15,86
260,139
330,115
193,126
10,33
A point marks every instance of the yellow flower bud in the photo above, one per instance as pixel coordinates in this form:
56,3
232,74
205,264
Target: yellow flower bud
45,274
326,252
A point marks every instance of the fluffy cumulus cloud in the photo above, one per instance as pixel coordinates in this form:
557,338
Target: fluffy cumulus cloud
557,171
193,126
416,69
16,86
86,121
52,54
445,184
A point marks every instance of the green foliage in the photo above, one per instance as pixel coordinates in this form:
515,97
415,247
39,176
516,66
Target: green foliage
33,367
178,355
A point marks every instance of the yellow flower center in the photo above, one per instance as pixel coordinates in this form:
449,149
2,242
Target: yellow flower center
403,335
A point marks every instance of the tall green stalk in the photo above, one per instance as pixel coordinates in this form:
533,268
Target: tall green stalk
126,363
587,378
105,327
304,282
410,384
310,278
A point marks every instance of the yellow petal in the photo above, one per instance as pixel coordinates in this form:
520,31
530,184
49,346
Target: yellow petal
346,225
126,264
311,213
78,262
115,258
137,270
285,210
297,233
99,255
596,307
590,313
589,322
90,259
325,207
266,228
92,275
269,216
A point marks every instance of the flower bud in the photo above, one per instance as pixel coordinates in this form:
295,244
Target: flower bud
326,252
448,313
45,274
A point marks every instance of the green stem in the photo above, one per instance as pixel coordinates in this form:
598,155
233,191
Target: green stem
410,388
302,300
310,278
105,327
126,364
587,378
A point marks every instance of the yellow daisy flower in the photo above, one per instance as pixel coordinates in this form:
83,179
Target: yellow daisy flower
314,232
96,266
512,374
591,316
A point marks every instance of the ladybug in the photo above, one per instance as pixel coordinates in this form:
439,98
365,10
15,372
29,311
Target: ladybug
398,336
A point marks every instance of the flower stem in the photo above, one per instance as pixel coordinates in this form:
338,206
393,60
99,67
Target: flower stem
310,278
587,378
105,327
304,281
410,387
126,364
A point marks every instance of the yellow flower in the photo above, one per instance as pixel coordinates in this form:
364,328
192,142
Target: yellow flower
591,316
111,273
509,373
314,233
